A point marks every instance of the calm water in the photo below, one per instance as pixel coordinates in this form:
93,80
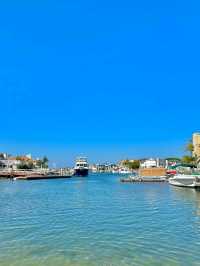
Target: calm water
98,221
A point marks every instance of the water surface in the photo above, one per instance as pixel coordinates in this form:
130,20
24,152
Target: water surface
98,221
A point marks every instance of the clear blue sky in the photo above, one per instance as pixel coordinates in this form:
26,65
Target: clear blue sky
107,79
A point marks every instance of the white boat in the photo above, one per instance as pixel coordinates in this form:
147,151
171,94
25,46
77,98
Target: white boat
185,180
81,168
124,171
115,171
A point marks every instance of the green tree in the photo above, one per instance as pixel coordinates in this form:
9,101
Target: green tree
45,161
25,165
125,162
173,159
190,147
131,164
39,163
134,165
187,159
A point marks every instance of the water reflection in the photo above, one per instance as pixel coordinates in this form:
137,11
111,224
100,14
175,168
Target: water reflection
190,195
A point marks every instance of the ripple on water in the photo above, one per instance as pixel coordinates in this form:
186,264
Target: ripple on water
98,221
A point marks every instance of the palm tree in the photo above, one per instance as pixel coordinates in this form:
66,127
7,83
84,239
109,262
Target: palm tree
190,147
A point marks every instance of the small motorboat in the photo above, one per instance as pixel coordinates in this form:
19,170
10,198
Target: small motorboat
185,180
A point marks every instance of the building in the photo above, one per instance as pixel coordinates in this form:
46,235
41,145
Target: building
10,163
196,144
150,163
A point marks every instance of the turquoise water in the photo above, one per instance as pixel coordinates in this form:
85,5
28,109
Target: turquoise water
98,221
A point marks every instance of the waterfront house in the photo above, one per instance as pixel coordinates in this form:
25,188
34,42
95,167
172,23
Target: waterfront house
149,163
9,163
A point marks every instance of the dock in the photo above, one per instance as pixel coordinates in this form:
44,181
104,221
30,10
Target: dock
34,175
12,174
143,179
39,177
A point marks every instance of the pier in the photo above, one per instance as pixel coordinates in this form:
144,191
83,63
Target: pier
38,177
143,179
35,174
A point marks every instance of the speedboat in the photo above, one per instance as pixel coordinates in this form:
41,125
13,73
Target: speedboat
185,180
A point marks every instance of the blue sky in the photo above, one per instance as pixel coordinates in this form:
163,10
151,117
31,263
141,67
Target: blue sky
107,79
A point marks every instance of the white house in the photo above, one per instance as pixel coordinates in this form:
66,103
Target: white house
150,163
9,163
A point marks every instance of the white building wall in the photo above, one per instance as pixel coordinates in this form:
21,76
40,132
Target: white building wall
149,163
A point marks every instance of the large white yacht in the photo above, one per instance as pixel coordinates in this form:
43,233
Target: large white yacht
185,180
81,168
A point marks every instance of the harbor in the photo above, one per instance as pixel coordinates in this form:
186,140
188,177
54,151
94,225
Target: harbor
99,133
175,171
81,221
88,206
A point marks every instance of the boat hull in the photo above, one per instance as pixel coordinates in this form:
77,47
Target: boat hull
81,172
